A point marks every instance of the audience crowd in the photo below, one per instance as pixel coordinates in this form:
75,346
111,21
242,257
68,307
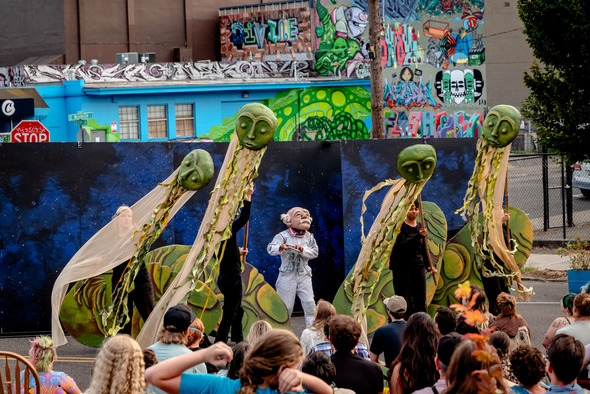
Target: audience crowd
466,350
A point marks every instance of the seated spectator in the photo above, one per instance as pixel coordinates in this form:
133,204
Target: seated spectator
580,329
501,342
388,339
481,305
42,355
446,347
528,367
445,320
269,367
360,349
414,367
567,304
352,372
314,334
468,372
149,359
119,367
239,353
173,338
258,329
320,365
195,335
565,357
511,322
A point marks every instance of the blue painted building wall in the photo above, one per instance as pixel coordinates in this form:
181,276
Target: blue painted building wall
211,103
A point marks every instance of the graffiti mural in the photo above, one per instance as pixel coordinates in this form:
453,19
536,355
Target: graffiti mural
318,114
432,53
433,124
341,38
266,32
459,86
153,72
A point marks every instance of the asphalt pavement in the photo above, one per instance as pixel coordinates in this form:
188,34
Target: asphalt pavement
76,359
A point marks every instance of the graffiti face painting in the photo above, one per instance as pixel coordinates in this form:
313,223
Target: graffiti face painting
501,125
255,126
416,163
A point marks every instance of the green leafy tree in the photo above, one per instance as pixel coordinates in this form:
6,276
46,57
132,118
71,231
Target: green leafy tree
558,32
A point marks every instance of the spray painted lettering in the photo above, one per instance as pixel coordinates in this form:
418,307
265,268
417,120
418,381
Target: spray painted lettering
434,124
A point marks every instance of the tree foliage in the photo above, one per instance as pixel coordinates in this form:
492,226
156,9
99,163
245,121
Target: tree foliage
558,31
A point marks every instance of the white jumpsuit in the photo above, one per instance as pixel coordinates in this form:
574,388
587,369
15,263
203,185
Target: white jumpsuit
294,273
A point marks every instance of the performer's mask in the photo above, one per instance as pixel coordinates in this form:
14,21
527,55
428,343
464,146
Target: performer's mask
297,218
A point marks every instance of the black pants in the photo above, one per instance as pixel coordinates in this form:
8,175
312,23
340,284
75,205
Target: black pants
232,312
412,286
142,296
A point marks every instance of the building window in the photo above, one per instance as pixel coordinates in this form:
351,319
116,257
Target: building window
157,122
129,123
185,120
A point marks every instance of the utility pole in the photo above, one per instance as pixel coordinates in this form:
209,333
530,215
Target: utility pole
376,70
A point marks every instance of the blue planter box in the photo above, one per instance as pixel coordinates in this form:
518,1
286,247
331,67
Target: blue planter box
577,279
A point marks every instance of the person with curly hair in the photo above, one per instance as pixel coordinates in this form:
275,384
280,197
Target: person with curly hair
42,355
567,305
270,366
119,367
414,368
511,322
445,319
469,372
528,367
580,329
314,334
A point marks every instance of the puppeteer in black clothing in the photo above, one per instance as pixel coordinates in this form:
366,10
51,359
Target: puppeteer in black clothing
230,279
408,263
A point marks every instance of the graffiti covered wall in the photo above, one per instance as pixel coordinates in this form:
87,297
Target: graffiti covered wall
318,114
433,57
266,32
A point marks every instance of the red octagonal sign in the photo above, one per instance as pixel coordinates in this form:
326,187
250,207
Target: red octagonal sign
29,131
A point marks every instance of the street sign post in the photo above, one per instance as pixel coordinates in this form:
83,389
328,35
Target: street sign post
29,131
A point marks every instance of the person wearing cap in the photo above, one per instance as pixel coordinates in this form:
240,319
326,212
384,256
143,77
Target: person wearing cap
173,338
388,338
446,347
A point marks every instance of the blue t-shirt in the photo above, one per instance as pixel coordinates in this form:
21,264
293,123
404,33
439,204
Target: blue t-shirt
191,383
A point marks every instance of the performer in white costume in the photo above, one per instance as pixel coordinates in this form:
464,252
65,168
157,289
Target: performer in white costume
296,246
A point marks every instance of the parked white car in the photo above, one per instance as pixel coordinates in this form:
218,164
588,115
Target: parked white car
581,178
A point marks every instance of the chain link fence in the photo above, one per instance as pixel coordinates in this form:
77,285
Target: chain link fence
540,186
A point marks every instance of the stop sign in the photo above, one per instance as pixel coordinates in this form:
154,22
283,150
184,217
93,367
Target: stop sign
29,131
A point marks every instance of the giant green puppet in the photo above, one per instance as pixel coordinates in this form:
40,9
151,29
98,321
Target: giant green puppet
116,244
485,194
416,164
255,128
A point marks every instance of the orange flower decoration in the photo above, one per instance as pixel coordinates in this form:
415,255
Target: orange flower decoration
474,317
463,290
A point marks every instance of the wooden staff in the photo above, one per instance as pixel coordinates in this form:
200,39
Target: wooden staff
508,221
243,257
434,277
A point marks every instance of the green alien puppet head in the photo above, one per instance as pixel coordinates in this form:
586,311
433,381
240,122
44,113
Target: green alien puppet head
256,126
501,125
196,170
416,163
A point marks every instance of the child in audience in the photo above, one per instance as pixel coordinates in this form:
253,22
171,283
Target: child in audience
119,367
42,355
270,364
